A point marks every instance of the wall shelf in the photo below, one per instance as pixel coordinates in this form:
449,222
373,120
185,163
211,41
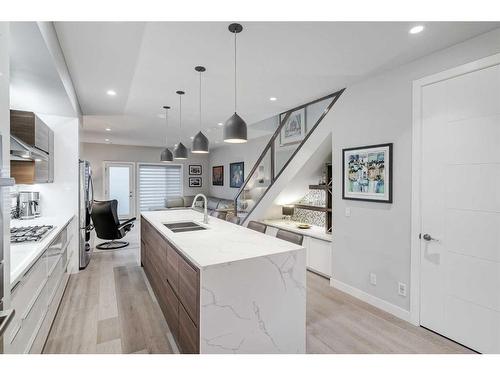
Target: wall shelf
313,208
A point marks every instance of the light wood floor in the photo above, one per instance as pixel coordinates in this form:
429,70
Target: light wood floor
110,308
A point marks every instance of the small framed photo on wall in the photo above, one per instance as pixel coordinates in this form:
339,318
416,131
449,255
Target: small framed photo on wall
195,170
195,182
367,173
294,129
218,175
236,174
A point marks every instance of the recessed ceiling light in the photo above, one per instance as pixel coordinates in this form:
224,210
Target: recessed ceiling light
191,137
273,99
108,129
416,29
220,124
106,140
111,92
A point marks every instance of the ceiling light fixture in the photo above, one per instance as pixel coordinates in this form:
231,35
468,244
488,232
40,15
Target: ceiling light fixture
200,141
106,140
180,151
166,155
273,99
111,92
416,29
235,128
108,129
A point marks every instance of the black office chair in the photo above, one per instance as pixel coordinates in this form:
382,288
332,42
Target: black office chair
108,227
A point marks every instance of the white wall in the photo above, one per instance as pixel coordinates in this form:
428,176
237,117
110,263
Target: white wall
61,197
5,167
232,153
97,153
376,237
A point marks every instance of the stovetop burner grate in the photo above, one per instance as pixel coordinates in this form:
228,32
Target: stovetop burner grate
32,233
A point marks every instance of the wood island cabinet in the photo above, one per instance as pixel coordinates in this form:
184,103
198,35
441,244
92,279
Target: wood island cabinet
176,284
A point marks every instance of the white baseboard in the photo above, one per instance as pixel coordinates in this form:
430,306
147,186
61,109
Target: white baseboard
372,300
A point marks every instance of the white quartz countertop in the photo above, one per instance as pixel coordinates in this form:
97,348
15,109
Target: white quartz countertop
315,231
222,242
23,255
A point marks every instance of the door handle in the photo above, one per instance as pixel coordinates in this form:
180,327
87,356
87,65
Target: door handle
428,237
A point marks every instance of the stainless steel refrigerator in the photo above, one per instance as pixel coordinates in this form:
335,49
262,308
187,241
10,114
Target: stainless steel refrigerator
86,199
5,315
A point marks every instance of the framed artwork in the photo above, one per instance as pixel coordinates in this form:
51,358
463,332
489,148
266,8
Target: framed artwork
367,173
194,181
195,170
294,129
236,174
218,175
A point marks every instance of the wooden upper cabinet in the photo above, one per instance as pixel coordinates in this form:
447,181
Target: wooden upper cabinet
29,128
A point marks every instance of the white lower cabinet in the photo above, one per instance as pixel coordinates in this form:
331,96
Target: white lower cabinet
318,253
36,298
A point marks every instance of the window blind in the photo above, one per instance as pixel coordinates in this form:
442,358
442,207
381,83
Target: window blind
158,182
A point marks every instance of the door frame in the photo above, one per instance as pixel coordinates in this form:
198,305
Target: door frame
416,215
105,165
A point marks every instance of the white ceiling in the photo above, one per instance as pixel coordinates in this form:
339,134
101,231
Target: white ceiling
145,63
35,84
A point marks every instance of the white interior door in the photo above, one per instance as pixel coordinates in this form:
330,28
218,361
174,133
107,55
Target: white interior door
460,206
120,185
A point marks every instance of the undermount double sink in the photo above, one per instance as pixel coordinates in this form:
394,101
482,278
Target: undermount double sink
184,226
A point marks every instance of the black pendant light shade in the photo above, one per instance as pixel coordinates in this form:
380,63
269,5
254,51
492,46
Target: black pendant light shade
200,144
235,128
180,151
166,155
200,141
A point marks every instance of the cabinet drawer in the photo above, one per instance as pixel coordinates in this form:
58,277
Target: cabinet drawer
29,322
188,288
23,291
188,333
171,310
173,268
55,276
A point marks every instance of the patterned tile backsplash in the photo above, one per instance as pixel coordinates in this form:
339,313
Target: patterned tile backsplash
313,198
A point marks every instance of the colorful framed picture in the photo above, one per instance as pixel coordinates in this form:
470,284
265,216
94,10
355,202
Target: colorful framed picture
218,175
294,130
195,182
195,170
367,173
236,174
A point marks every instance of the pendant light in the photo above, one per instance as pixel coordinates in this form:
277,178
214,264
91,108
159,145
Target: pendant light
166,154
235,128
200,142
180,151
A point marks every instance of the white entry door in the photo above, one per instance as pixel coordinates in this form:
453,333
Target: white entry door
460,209
120,185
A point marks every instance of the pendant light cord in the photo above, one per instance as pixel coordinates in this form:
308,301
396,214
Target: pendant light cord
200,100
180,117
235,92
166,126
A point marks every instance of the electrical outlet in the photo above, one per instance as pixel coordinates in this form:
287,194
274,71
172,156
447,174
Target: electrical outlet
373,279
402,289
347,211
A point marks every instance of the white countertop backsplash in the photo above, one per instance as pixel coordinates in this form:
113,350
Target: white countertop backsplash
222,242
23,255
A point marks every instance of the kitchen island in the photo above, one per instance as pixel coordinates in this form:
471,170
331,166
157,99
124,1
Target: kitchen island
225,288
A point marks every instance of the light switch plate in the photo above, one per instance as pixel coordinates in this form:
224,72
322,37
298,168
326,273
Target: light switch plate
347,211
373,279
402,289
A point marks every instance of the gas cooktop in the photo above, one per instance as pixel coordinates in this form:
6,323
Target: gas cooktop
29,234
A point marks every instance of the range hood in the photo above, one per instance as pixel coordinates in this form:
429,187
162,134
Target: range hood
23,152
